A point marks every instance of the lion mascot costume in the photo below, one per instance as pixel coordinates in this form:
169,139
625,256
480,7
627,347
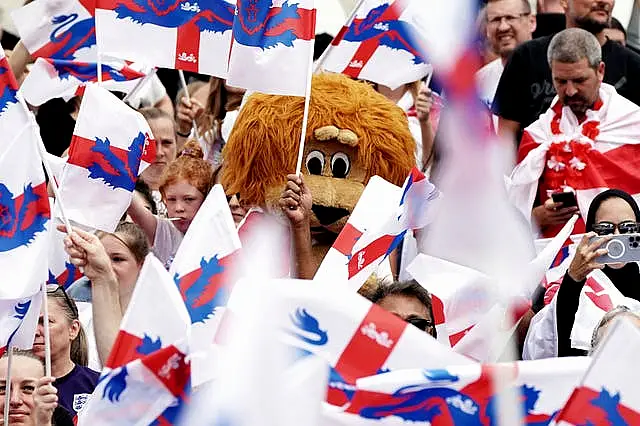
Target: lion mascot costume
353,133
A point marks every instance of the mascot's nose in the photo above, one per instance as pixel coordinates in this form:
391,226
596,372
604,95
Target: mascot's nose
328,215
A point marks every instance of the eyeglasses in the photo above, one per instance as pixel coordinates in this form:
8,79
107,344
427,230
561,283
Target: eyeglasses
608,228
510,19
54,288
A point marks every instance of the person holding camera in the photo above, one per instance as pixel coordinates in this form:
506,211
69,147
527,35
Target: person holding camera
611,212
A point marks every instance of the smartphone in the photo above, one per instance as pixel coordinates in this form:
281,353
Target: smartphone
621,248
568,199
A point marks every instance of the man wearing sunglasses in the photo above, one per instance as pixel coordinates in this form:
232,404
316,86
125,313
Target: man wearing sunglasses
611,212
407,300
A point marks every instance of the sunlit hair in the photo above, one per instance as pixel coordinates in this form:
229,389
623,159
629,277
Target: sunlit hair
25,354
79,345
190,167
573,45
153,113
133,238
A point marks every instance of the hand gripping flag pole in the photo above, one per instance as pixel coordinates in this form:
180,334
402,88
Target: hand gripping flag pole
337,38
305,115
183,82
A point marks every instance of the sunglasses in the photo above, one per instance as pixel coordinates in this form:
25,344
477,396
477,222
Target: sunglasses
421,323
608,228
54,288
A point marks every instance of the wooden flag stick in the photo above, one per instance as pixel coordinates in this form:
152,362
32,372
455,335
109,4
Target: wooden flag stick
7,390
183,82
305,114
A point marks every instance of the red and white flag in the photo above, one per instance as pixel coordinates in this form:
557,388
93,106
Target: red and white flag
24,216
414,211
138,392
465,395
111,145
558,153
608,392
202,271
13,117
156,325
272,46
378,202
382,44
58,78
18,322
58,29
356,337
192,36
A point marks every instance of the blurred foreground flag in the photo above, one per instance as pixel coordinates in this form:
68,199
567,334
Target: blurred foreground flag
381,44
272,44
608,393
192,36
58,78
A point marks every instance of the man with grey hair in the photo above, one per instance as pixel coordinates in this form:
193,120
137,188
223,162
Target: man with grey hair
584,141
526,88
577,69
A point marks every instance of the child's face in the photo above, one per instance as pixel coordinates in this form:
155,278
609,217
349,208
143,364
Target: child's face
183,201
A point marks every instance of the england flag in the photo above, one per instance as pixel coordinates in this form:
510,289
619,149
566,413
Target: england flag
111,145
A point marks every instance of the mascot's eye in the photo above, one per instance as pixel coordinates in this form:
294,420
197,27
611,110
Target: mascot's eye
340,165
315,162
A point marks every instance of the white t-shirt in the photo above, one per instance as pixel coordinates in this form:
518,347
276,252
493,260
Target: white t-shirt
487,79
167,241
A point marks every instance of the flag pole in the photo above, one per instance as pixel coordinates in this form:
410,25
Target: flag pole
47,167
7,391
305,114
47,342
337,38
183,82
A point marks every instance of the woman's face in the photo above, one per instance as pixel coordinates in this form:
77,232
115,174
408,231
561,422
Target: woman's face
62,331
123,261
183,201
238,210
615,210
25,372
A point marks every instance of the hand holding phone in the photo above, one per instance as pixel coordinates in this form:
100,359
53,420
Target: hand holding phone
621,248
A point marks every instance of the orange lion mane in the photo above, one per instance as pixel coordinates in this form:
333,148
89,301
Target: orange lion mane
263,145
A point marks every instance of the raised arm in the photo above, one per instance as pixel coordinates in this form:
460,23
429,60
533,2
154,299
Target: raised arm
143,218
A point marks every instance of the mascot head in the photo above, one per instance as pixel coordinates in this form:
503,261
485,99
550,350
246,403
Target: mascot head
353,133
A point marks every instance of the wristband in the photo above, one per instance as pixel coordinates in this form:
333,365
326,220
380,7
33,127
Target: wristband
184,135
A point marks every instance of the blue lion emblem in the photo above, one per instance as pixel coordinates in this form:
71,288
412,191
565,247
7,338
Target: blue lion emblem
433,402
392,33
84,71
215,16
609,403
23,217
115,386
148,345
124,174
310,326
8,87
260,25
69,36
200,290
70,274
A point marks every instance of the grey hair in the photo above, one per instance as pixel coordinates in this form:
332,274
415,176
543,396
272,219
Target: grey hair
573,45
616,313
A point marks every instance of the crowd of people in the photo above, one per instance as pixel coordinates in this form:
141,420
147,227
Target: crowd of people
540,83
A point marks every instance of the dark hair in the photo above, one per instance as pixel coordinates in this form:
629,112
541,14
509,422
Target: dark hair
79,345
145,191
604,196
616,25
406,288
